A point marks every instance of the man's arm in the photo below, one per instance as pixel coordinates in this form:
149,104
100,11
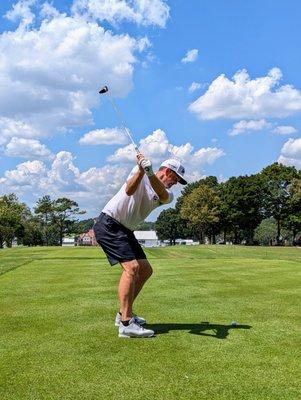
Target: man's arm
133,182
159,188
157,185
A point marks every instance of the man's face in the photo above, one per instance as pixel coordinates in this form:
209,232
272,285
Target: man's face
171,178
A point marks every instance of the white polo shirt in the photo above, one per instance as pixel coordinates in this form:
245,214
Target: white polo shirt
131,210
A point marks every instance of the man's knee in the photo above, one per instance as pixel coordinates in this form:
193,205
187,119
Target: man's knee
131,268
145,268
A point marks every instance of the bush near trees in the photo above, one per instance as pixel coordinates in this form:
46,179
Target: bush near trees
242,210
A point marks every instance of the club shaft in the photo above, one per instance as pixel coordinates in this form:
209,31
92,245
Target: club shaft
119,115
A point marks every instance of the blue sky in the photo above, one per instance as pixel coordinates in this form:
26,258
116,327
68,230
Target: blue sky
232,107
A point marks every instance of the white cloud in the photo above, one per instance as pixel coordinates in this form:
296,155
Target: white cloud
13,128
94,187
21,11
104,136
100,179
284,130
29,173
252,125
291,153
142,12
157,147
243,97
63,174
191,56
49,74
194,86
26,148
48,11
91,188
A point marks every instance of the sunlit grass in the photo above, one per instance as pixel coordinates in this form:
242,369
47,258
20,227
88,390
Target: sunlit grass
58,339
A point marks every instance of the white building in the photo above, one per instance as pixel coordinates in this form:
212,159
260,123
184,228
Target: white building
68,241
147,238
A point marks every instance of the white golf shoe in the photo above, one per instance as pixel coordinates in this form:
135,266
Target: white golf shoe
134,330
139,320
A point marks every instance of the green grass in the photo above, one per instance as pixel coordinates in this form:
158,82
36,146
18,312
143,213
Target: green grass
58,339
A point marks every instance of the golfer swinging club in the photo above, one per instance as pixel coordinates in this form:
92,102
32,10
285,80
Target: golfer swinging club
142,192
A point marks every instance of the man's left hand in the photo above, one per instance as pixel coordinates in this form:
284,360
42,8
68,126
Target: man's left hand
146,164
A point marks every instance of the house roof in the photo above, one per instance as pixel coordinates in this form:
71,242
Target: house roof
90,234
145,235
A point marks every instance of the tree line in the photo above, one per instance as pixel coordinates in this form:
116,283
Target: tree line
237,210
242,209
50,221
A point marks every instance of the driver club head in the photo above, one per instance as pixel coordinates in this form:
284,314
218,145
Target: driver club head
103,90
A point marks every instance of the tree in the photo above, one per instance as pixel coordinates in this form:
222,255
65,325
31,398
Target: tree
145,226
292,220
63,214
241,206
83,226
44,211
201,208
266,232
11,212
210,181
276,181
170,226
32,234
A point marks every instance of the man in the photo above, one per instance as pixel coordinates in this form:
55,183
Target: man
143,191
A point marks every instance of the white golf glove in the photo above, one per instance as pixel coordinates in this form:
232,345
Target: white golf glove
147,166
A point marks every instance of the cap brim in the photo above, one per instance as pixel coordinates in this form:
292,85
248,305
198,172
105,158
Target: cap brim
182,180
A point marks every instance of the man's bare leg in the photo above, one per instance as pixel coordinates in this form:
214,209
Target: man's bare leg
145,272
126,289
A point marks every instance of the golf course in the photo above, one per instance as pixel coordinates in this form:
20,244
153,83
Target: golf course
227,323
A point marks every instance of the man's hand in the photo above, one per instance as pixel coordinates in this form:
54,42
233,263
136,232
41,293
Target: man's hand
146,165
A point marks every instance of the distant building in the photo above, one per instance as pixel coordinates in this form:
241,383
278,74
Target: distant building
187,242
87,239
68,241
147,238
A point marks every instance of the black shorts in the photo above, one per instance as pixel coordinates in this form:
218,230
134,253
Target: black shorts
117,241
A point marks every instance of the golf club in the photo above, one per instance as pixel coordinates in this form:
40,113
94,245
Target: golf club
105,90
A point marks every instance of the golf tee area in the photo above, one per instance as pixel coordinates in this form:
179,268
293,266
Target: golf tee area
226,318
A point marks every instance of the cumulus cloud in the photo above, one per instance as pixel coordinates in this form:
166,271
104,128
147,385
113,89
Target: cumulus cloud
157,147
104,136
94,187
252,125
21,11
142,12
26,148
291,153
284,130
91,188
49,73
194,86
191,56
29,173
14,128
243,97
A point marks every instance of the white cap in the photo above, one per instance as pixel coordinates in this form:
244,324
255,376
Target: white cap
177,167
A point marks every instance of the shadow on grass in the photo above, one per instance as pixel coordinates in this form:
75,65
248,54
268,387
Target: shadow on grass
214,330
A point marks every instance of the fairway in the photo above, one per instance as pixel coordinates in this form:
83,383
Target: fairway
59,342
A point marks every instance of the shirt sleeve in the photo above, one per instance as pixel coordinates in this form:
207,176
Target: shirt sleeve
171,197
132,173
